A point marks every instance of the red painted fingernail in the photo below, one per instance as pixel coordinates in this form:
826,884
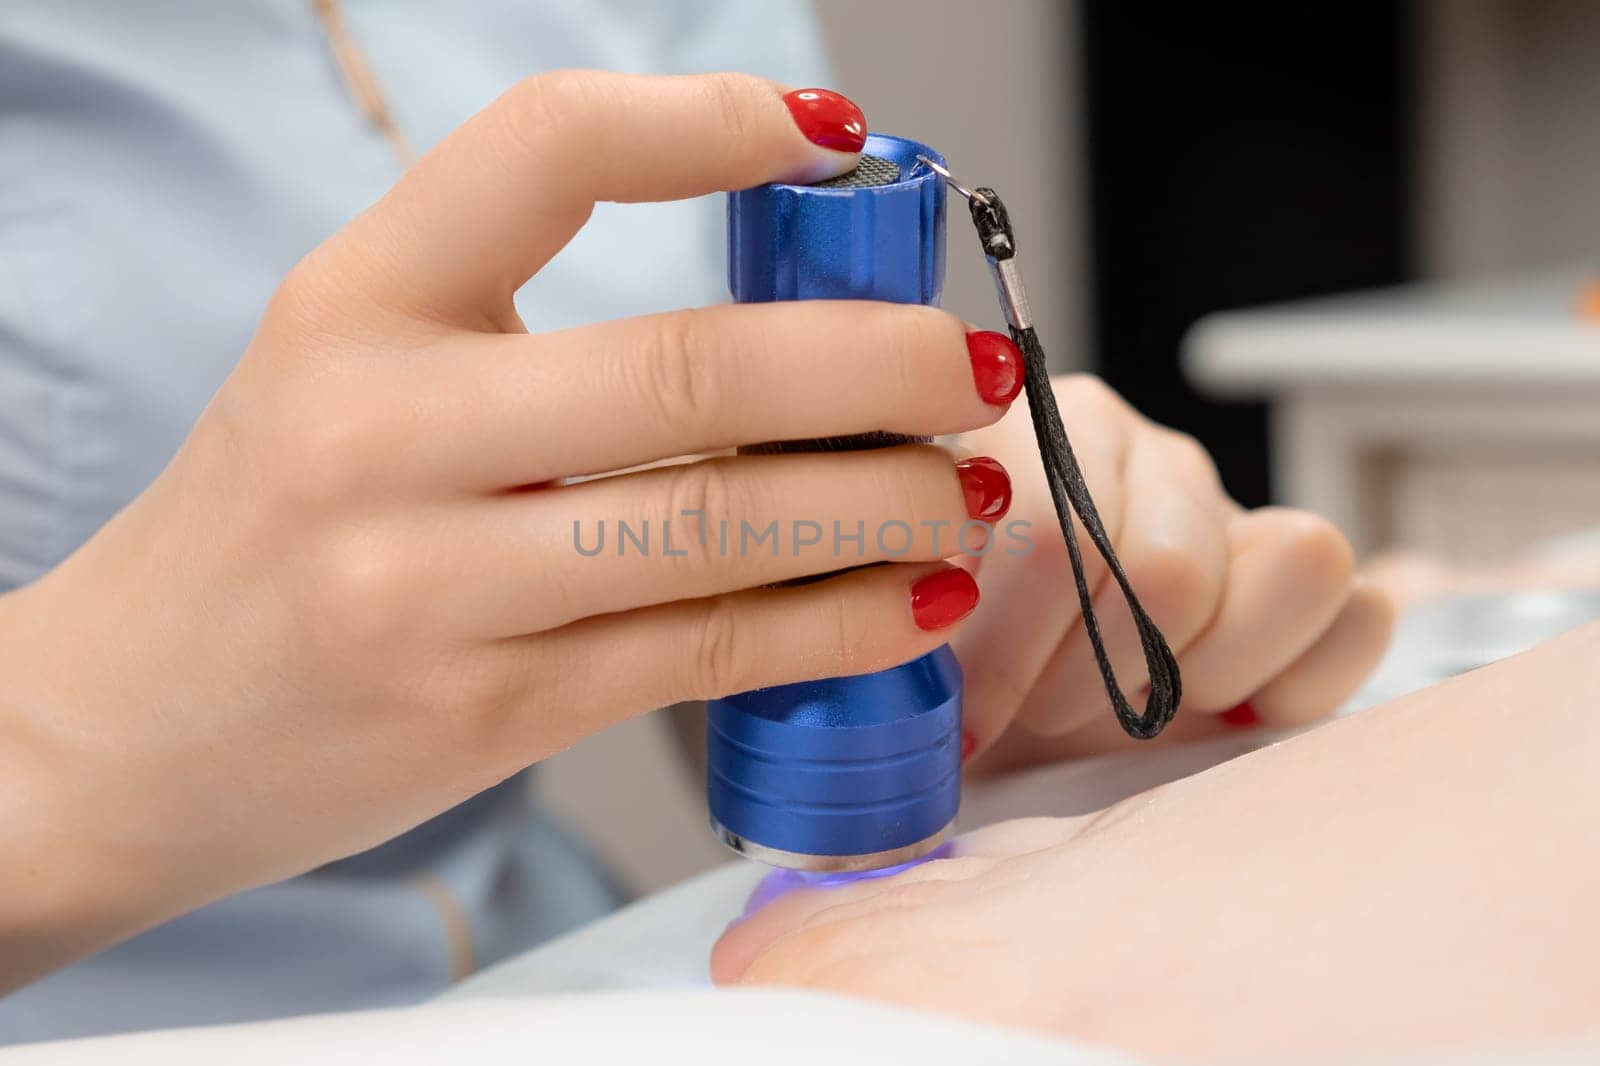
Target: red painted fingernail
943,598
969,744
1242,716
996,366
987,487
828,119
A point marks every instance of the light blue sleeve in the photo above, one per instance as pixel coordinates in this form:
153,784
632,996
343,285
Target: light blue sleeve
624,244
777,39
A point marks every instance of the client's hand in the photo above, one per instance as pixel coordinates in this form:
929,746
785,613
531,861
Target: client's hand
1414,876
1259,605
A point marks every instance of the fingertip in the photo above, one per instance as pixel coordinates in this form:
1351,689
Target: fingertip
985,488
997,367
1378,604
979,373
942,598
827,119
1321,550
833,127
1333,669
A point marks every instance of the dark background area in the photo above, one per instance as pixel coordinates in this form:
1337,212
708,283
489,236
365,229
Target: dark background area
1238,154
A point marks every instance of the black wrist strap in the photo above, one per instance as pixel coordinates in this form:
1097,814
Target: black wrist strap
1068,489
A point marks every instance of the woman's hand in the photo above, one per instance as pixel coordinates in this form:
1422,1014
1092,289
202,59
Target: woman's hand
1420,875
1261,605
364,590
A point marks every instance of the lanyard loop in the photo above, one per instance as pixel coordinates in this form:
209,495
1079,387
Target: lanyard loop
1068,489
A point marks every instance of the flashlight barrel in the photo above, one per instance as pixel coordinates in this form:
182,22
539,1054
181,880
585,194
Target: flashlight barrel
859,772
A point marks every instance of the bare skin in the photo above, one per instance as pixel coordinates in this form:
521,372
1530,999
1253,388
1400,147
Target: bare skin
1421,875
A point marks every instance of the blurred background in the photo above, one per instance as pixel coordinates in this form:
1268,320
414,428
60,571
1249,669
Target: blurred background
1173,168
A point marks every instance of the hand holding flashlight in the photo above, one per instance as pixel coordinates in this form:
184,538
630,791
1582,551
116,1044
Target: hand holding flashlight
368,586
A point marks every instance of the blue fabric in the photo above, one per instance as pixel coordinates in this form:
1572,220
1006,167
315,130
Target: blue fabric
162,164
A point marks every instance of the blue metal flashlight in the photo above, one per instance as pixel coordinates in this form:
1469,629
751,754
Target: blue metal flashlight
847,773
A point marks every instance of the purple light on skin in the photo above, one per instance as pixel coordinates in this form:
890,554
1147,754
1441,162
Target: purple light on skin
782,882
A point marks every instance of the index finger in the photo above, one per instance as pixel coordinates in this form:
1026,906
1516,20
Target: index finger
494,201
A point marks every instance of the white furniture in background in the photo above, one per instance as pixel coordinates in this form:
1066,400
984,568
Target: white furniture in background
1458,419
